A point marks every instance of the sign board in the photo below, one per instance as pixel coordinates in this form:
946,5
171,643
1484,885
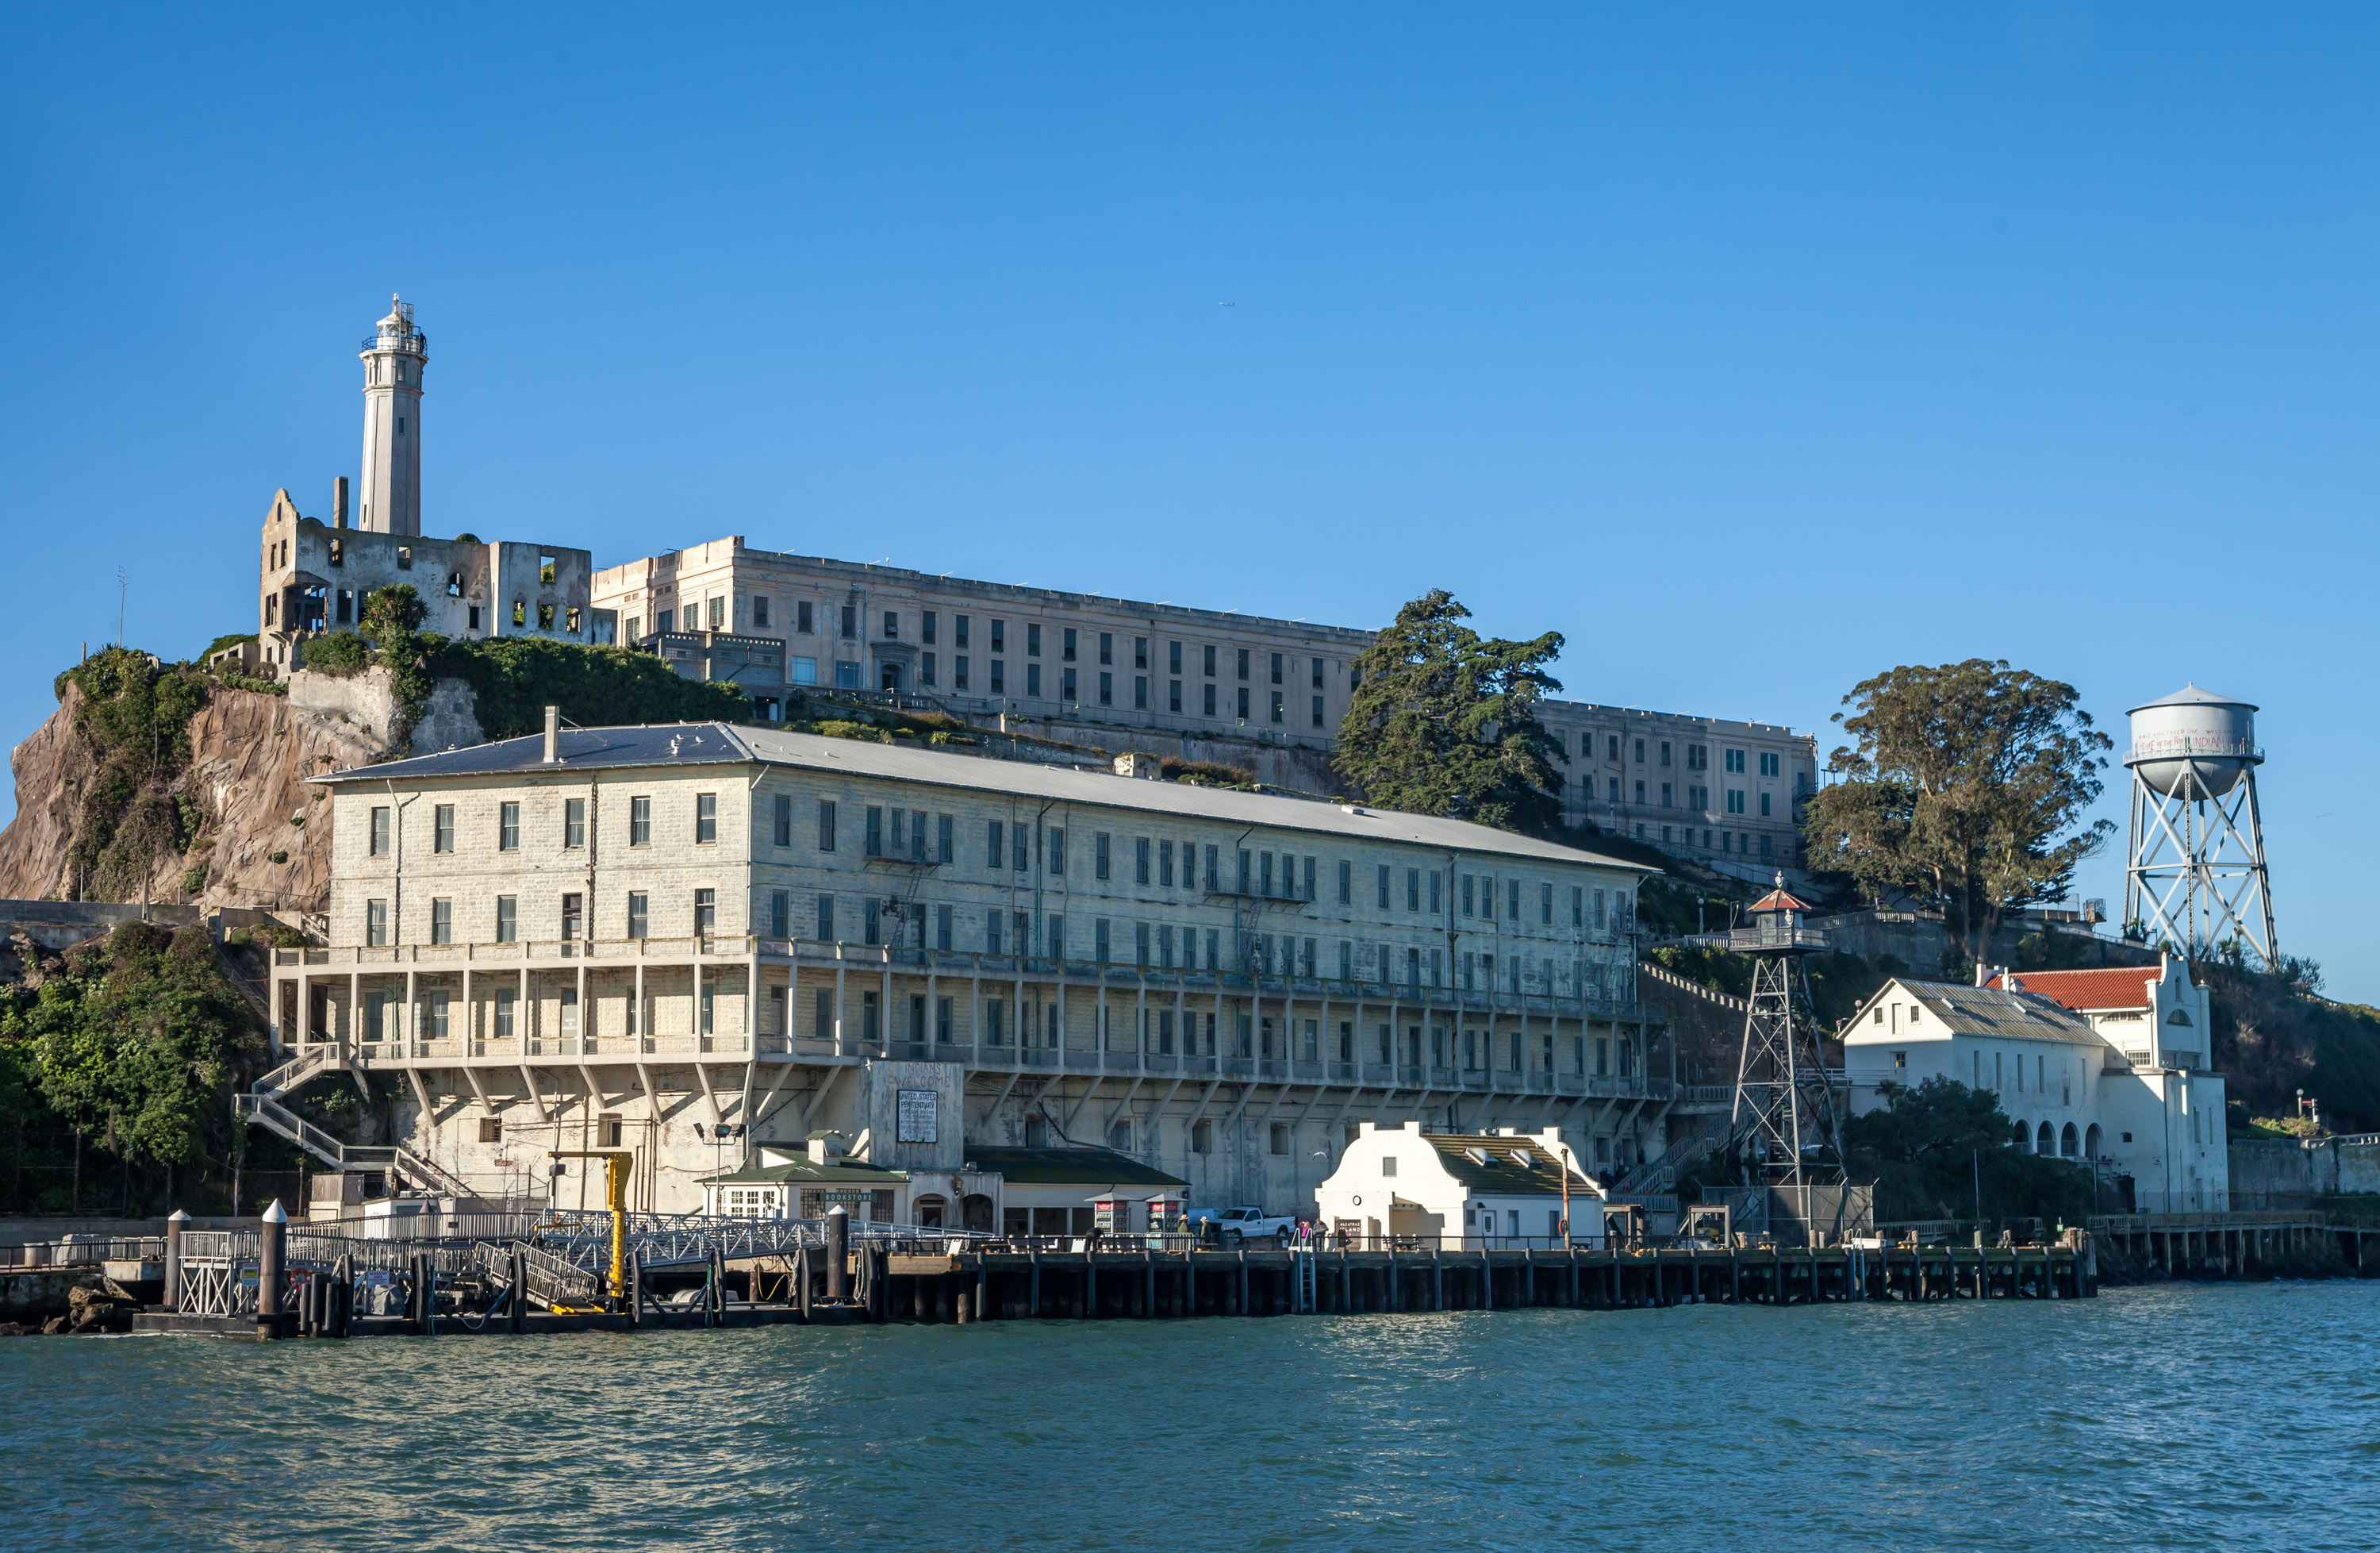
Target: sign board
918,1116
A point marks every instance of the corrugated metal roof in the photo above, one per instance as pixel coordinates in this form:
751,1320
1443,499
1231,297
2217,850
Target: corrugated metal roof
1505,1175
1067,1166
1971,1010
683,744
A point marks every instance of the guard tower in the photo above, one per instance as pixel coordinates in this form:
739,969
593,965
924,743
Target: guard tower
1784,1121
393,358
2194,877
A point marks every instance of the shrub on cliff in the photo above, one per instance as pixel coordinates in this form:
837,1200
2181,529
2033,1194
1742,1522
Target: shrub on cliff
134,715
1931,1149
517,678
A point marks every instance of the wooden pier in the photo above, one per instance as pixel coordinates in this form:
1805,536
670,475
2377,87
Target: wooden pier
995,1285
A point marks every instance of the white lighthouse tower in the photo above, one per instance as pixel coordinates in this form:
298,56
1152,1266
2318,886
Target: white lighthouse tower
2195,875
393,359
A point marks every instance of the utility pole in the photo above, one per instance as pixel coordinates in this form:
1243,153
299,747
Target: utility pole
120,581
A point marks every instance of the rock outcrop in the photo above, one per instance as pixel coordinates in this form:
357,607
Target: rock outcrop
251,754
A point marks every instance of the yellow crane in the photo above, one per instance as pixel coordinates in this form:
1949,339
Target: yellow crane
617,1163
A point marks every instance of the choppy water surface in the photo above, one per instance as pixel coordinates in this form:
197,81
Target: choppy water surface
2170,1418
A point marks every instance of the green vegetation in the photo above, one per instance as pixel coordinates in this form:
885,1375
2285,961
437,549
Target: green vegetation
517,678
1962,777
1205,774
129,1047
134,719
1445,722
1933,1149
2274,1035
219,643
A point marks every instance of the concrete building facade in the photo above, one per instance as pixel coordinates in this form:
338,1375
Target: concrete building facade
1726,790
314,577
1460,1192
2104,1067
701,925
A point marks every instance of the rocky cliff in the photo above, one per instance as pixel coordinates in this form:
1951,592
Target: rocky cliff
232,804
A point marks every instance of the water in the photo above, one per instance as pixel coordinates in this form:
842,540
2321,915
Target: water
2172,1417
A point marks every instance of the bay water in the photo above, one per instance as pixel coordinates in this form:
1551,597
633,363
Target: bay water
2167,1417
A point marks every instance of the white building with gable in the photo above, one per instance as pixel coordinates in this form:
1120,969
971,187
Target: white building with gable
2105,1068
1466,1191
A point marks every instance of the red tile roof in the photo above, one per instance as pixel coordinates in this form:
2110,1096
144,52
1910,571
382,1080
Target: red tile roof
1778,900
2118,987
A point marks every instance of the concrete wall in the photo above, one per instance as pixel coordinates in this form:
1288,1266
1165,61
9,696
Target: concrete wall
368,700
2285,1173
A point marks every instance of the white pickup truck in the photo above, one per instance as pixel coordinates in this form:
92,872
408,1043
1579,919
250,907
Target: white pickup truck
1239,1226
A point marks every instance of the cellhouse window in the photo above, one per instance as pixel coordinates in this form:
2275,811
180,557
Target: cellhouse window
706,818
641,822
442,834
508,828
380,831
574,821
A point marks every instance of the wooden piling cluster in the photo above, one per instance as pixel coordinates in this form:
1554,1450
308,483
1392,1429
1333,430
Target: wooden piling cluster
1013,1285
2234,1245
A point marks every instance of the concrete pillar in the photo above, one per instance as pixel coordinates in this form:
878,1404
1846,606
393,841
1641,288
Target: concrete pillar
174,1227
270,1260
838,1246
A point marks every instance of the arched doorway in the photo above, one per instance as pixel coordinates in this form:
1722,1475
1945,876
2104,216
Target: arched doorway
927,1212
2091,1142
2023,1139
2070,1143
975,1212
2046,1140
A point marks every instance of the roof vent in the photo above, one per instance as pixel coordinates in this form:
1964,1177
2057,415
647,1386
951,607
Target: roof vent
1477,1157
1351,808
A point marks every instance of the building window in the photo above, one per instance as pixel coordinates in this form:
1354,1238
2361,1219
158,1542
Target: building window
850,622
442,828
574,821
1210,701
999,677
507,918
925,669
508,828
375,922
1243,698
706,818
804,621
926,627
706,912
782,822
781,914
1066,686
379,830
639,919
959,672
573,915
1033,639
1099,855
641,822
826,918
892,625
1106,689
759,610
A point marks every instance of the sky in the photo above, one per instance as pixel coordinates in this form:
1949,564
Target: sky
1755,348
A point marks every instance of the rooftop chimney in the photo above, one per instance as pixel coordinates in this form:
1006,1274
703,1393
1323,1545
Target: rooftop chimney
1983,972
553,736
339,502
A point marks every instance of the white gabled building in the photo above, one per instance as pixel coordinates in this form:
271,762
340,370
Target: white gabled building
2105,1068
1470,1191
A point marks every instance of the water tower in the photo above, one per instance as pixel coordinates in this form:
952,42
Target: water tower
2194,875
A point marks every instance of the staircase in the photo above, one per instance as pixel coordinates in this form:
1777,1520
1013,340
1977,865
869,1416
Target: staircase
1709,1131
262,1106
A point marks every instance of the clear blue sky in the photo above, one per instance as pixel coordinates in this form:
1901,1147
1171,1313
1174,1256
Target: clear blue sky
1757,348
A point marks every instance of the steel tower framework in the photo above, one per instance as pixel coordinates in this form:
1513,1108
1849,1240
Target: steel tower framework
2196,876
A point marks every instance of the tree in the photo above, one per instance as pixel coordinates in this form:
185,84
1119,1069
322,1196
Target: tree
392,611
1933,1149
1962,779
1445,722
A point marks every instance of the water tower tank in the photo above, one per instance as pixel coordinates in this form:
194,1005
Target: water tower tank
2193,730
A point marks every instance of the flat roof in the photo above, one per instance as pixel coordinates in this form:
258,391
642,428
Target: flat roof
698,744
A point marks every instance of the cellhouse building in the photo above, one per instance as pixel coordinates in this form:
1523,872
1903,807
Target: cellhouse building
1163,676
693,941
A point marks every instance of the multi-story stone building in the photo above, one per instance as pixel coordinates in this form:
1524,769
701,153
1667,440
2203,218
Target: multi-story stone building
648,935
776,622
313,577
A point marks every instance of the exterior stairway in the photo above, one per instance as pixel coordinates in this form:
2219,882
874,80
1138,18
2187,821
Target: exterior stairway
263,1105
